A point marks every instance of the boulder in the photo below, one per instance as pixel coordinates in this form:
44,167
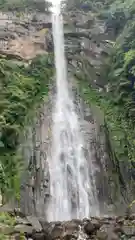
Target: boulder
21,228
39,236
96,223
71,226
89,228
24,221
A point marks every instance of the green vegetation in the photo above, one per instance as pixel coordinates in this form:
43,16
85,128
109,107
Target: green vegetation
7,224
23,5
120,76
118,102
7,227
6,219
22,89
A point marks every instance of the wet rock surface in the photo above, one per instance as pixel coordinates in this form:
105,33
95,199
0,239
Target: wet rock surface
98,228
24,39
35,187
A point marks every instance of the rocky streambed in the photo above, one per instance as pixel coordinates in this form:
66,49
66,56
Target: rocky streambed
14,225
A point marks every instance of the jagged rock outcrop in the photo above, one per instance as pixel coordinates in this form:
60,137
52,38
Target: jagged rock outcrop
25,36
87,45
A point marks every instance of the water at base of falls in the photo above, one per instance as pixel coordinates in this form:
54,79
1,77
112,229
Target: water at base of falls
71,189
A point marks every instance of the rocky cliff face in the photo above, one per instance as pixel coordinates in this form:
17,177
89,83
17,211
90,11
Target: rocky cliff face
87,46
109,182
89,43
35,187
23,36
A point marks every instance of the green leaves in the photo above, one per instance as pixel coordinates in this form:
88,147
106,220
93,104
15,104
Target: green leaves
118,72
21,5
22,90
128,57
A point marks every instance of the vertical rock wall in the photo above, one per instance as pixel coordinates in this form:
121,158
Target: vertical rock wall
35,180
35,187
111,187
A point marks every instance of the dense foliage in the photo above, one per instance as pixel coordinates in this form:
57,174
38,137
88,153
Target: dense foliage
24,5
121,77
22,89
117,99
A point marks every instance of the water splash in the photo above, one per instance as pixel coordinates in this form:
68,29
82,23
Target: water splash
71,190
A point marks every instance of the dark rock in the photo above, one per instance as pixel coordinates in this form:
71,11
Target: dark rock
120,221
89,228
132,217
96,223
57,224
39,236
86,220
68,237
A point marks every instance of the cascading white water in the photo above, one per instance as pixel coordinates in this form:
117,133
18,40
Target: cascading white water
71,189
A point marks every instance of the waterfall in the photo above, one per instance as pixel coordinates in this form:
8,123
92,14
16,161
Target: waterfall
71,189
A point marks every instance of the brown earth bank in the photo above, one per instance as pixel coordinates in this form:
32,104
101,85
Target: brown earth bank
33,228
24,37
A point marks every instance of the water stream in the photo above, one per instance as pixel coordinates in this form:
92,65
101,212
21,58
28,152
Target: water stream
71,189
